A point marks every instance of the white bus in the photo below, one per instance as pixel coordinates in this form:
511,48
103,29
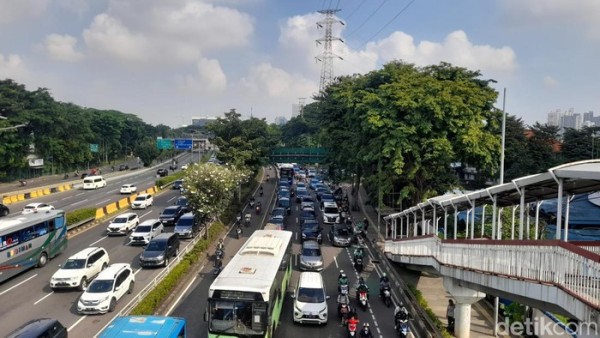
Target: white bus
246,298
30,240
93,182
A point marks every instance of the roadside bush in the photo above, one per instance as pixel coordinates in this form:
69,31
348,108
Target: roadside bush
161,182
79,215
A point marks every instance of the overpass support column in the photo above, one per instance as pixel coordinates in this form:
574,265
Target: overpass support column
463,297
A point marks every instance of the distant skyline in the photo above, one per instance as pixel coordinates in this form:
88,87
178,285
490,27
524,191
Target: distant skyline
169,61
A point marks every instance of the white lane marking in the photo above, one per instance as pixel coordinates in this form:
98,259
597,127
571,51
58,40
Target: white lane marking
102,202
81,193
183,293
101,239
138,270
146,214
82,201
41,299
336,264
172,198
295,236
66,198
17,285
77,322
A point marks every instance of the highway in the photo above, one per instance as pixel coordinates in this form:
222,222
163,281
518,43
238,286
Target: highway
380,318
28,296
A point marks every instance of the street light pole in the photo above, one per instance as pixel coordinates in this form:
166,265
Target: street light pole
496,299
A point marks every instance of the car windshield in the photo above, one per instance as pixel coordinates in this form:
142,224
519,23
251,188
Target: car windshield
311,252
310,227
143,228
330,210
182,202
342,232
156,246
310,295
100,285
185,222
307,214
169,211
307,199
30,207
278,212
74,264
140,198
120,220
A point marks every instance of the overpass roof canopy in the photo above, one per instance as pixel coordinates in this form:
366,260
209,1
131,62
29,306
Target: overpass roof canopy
577,177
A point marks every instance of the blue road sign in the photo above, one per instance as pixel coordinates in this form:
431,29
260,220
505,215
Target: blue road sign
183,144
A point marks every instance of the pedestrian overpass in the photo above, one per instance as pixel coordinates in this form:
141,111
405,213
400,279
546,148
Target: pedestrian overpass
552,275
298,155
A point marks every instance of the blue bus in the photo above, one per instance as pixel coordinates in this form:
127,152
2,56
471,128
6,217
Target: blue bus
145,326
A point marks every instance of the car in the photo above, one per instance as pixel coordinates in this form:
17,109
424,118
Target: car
123,224
340,235
36,207
307,215
327,198
310,299
171,215
80,269
41,327
308,199
144,232
162,172
277,222
311,257
177,185
300,193
142,201
331,212
284,202
308,206
105,291
4,211
160,250
128,189
123,167
187,226
300,185
184,203
278,213
311,230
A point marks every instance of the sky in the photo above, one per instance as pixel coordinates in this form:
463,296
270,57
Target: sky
170,60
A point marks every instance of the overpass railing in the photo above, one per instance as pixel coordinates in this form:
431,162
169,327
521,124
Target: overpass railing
570,267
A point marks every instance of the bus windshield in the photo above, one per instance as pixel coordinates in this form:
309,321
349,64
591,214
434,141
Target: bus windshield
235,317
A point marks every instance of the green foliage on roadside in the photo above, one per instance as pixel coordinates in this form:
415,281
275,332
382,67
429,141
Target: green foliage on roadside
79,215
423,304
149,304
161,182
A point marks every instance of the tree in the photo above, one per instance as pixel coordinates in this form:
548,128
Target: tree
147,151
210,187
578,145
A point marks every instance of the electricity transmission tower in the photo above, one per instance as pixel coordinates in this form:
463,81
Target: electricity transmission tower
327,56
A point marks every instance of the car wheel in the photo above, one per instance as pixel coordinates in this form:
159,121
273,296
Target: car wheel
166,261
130,289
4,212
113,305
42,260
177,252
104,266
83,284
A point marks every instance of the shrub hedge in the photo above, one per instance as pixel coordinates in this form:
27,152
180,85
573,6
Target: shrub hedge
161,182
423,303
79,215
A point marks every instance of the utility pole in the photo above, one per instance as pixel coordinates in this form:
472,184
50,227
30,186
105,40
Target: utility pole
327,56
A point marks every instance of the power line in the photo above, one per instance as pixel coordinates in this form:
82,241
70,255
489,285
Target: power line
367,19
355,10
392,20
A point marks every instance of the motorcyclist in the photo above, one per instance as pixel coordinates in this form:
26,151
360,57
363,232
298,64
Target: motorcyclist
362,286
366,331
220,245
252,201
353,321
384,278
358,253
400,314
382,287
342,280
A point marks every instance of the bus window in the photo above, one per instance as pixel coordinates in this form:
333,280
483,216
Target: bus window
51,225
60,222
41,229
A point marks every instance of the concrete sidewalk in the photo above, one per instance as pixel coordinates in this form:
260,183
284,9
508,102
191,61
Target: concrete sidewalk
432,288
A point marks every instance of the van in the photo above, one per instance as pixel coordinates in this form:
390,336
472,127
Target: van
160,250
331,213
187,226
42,328
310,299
93,182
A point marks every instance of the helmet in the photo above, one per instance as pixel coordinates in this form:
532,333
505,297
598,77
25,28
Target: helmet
384,275
343,275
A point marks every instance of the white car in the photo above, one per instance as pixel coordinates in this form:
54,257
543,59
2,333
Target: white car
123,223
80,269
144,232
128,189
36,207
142,201
103,293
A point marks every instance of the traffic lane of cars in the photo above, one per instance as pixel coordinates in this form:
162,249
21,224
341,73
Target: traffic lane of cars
29,295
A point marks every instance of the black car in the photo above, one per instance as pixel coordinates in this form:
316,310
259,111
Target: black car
123,167
301,193
311,230
177,185
162,172
160,250
43,327
307,215
340,235
171,215
4,211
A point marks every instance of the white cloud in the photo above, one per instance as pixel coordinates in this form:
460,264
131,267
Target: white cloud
62,47
272,83
12,67
17,10
549,81
165,32
209,78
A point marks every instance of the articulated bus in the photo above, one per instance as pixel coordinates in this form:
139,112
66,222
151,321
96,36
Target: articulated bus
245,300
286,170
30,240
145,326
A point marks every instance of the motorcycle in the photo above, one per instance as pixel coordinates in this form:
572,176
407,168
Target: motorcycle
402,328
238,232
343,310
363,300
217,270
351,329
219,254
258,209
23,183
386,295
343,289
252,202
247,219
358,264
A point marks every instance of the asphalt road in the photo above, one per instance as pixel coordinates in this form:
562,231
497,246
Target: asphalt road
192,303
28,296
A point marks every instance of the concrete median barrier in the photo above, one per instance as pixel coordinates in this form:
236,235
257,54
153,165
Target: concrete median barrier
47,191
123,203
6,200
111,208
100,213
14,198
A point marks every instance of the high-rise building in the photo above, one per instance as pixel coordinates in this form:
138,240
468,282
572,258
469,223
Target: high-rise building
554,117
280,120
202,121
296,109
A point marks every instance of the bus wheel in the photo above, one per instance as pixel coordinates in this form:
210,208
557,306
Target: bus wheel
42,260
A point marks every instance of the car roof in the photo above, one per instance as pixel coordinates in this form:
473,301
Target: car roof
310,244
330,204
34,328
34,204
150,221
128,185
143,195
83,254
111,270
127,214
173,207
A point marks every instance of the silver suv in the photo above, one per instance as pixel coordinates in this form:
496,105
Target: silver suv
80,269
142,201
122,224
311,257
